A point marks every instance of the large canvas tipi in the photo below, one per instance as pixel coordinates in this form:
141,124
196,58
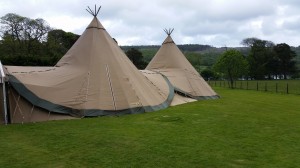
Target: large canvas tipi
171,62
93,78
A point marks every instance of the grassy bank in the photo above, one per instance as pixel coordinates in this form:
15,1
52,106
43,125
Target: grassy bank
242,129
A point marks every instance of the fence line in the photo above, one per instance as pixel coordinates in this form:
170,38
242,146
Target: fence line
277,86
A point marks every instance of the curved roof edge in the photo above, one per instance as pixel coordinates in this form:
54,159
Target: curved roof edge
36,101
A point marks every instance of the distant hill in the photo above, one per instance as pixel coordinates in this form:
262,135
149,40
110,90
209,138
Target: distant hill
182,47
200,56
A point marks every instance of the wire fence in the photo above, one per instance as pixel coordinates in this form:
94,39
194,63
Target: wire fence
277,86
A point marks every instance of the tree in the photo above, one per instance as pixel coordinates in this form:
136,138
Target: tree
136,58
23,28
22,36
261,57
32,42
207,74
58,43
232,64
285,57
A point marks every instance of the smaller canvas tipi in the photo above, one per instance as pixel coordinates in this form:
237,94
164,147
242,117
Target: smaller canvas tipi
171,62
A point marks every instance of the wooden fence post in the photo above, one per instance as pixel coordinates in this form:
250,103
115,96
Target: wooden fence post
266,87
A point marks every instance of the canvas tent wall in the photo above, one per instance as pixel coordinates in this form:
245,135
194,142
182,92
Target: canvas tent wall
93,78
171,62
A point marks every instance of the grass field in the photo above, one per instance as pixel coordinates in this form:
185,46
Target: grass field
279,86
242,129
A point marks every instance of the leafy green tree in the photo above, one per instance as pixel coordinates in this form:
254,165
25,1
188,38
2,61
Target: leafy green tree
207,74
136,58
260,58
22,35
28,41
232,64
285,55
58,43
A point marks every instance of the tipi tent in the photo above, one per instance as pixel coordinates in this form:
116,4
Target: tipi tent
93,78
171,62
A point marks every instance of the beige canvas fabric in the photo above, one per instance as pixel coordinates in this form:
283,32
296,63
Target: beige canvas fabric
178,99
159,81
94,78
171,62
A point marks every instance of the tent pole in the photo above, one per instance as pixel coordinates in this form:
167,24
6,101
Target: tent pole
4,102
4,92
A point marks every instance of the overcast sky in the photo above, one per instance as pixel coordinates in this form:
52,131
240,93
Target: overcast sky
141,22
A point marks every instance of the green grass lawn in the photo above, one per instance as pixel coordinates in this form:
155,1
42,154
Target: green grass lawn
242,129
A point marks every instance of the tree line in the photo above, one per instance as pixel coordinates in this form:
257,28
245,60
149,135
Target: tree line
32,42
264,61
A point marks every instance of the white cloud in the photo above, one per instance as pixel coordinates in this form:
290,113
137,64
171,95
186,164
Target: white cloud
70,23
135,22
